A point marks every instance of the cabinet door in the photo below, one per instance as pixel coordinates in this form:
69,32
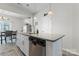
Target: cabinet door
54,48
20,41
26,45
23,43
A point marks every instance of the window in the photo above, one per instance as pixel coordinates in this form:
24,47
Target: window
4,25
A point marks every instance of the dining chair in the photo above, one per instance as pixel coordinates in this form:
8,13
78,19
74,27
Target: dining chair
0,37
14,34
8,34
2,34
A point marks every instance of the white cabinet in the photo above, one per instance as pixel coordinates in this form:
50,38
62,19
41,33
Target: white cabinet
23,43
19,41
54,48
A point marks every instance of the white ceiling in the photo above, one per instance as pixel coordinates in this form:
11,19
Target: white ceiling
34,7
9,13
12,9
23,8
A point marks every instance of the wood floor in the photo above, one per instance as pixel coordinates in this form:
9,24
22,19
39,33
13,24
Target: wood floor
9,49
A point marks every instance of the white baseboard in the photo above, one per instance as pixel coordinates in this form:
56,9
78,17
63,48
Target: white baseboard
69,52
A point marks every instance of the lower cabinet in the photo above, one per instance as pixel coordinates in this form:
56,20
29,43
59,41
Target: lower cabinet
54,48
23,43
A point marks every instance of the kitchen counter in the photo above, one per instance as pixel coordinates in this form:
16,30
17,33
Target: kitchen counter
53,45
45,36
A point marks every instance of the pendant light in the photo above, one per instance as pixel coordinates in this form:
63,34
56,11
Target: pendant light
50,12
3,18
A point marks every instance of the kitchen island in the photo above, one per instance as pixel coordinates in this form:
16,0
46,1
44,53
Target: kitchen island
53,45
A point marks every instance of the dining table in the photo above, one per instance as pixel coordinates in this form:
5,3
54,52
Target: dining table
3,34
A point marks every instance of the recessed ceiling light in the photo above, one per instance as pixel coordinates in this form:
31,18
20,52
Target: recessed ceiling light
19,4
29,17
27,5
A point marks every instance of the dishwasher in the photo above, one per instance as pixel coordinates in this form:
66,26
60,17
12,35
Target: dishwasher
37,46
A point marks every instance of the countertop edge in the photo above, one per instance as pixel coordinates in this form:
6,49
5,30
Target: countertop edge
43,38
